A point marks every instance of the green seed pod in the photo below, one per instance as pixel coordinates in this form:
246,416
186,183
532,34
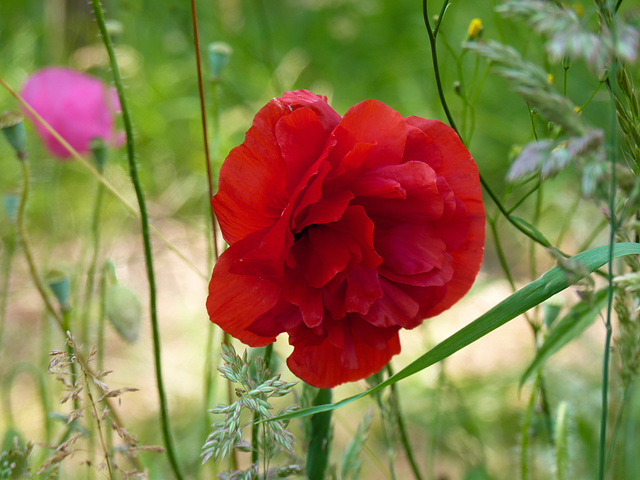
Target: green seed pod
124,311
59,284
12,126
219,55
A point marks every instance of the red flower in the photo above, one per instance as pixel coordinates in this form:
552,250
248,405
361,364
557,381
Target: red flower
79,107
342,231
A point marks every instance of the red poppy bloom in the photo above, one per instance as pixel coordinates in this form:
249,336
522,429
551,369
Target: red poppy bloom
342,231
79,107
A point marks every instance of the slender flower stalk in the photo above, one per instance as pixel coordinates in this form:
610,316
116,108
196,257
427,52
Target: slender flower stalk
144,220
436,69
606,14
99,153
203,119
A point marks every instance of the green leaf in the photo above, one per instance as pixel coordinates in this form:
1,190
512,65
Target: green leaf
571,326
552,282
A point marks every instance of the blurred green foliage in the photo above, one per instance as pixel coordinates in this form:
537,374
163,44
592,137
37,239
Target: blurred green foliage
350,50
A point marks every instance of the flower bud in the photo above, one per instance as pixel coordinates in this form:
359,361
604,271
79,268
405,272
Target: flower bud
219,55
13,128
99,152
59,284
474,31
124,311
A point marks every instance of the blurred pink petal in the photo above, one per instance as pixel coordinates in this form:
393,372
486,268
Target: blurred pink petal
79,107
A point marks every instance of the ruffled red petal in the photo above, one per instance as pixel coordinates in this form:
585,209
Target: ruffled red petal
235,301
253,188
323,365
461,173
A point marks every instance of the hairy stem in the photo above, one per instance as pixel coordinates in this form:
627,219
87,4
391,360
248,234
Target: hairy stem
146,240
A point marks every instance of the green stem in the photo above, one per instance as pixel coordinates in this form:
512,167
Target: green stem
103,445
436,69
404,438
255,428
26,246
524,433
567,221
318,455
4,289
524,197
144,220
443,101
66,326
443,9
91,271
612,144
500,252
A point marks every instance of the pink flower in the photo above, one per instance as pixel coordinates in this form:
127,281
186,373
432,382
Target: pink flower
79,107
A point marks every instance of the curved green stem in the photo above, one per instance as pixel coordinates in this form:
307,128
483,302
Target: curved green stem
26,245
144,221
443,9
443,101
436,69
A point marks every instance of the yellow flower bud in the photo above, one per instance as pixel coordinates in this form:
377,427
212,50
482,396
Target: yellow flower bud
475,29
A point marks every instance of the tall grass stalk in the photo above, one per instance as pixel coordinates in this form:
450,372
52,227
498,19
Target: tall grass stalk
146,240
606,14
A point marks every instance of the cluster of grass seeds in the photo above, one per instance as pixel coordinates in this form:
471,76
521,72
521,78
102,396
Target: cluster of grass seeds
88,422
255,388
